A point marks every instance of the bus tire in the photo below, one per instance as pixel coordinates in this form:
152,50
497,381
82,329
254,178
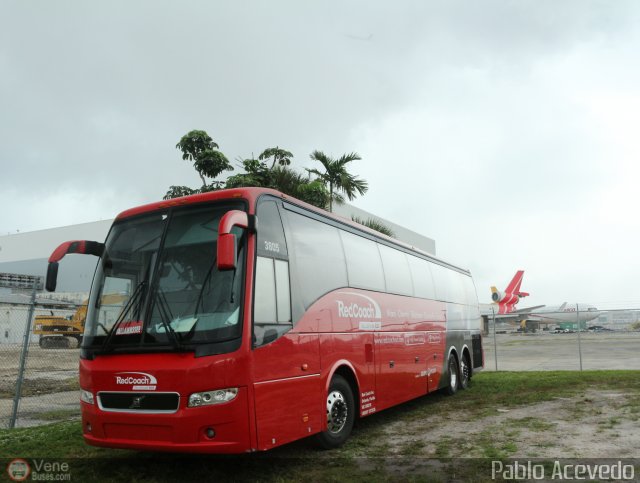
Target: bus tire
340,414
453,376
465,372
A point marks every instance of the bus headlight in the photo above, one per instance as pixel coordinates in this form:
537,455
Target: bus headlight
212,397
86,396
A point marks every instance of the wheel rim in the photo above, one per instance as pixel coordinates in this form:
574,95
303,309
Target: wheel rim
453,375
464,372
337,412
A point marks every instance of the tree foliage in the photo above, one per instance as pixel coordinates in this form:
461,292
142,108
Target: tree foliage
375,225
202,151
281,178
178,191
322,191
280,156
337,177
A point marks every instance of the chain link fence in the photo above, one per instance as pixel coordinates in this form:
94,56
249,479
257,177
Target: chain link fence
564,340
39,381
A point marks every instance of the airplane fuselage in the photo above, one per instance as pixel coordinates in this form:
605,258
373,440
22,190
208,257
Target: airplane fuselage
564,313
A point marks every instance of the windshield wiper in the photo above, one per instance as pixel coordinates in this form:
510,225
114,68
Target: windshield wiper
135,297
207,279
164,310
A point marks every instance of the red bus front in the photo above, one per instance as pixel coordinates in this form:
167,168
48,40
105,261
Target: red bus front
164,356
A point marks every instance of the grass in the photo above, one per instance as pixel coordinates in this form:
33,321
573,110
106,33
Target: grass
369,455
57,415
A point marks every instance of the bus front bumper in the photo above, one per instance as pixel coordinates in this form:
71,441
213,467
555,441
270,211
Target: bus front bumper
219,428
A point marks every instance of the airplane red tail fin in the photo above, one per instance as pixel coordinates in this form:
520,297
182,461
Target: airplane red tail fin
505,308
514,285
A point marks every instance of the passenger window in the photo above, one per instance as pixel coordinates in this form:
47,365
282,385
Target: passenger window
318,256
283,300
272,302
441,282
470,291
457,289
264,310
364,266
422,279
449,285
396,271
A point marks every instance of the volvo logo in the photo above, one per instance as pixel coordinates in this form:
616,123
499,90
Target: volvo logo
137,402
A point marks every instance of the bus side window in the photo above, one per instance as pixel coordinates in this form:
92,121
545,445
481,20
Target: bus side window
364,265
396,270
470,291
422,280
272,307
317,256
441,282
272,301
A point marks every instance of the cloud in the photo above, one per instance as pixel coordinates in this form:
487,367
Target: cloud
505,130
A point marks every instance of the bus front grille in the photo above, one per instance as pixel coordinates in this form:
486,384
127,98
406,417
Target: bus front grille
138,402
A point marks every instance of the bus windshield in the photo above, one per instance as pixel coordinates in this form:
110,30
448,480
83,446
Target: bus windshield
157,284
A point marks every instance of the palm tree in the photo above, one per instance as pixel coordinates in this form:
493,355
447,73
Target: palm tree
337,177
374,225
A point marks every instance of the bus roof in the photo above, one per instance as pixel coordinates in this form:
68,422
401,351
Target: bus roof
252,194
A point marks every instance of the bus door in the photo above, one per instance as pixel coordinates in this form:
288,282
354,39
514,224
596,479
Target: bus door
286,364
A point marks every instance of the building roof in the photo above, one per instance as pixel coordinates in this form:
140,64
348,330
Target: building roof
24,299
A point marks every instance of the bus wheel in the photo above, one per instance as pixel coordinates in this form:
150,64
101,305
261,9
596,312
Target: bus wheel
465,372
452,366
340,414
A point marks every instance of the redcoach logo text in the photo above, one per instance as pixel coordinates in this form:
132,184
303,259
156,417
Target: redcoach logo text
132,380
356,311
367,308
141,381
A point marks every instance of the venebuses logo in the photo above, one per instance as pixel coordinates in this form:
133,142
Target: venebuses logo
141,381
368,309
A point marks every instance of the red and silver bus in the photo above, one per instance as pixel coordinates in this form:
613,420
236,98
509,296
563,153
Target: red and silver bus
240,320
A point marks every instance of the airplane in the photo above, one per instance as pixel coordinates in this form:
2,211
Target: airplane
530,318
565,313
508,299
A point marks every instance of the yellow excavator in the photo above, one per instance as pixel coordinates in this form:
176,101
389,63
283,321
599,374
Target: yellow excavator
57,332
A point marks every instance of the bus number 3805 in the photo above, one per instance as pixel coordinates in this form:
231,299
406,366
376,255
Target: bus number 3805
272,247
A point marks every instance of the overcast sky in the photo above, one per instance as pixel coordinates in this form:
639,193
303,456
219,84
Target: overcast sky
507,131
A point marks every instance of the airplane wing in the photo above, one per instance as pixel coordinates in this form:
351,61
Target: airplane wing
527,310
518,314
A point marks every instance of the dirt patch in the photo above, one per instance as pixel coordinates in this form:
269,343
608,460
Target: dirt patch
597,424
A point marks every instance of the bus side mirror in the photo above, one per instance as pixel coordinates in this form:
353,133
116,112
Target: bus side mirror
82,247
227,256
227,251
52,277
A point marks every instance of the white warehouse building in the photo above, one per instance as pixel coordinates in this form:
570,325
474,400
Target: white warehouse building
28,253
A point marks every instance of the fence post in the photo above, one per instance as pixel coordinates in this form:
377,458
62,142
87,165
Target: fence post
579,330
495,341
23,357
